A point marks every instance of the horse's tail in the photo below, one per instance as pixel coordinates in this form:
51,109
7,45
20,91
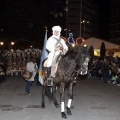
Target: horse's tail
49,92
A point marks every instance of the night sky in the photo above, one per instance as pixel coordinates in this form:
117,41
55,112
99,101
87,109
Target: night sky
26,19
104,19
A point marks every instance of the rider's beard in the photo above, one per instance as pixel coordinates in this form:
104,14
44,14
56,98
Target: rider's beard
58,36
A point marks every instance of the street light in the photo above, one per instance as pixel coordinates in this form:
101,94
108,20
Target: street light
12,43
1,43
84,22
11,46
6,44
80,16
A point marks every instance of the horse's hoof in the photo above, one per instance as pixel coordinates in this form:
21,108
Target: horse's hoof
49,82
43,106
69,111
64,115
56,104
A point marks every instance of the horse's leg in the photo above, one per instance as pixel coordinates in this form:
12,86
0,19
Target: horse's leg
43,97
54,96
62,100
70,98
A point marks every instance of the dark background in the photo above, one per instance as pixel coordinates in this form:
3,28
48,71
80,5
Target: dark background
25,20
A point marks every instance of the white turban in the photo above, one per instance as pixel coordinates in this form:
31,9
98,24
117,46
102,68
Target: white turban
56,28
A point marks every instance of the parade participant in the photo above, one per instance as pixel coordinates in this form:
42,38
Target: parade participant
54,45
80,41
31,67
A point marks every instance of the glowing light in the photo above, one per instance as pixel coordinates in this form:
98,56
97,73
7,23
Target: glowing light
73,45
12,50
12,43
85,45
1,43
95,53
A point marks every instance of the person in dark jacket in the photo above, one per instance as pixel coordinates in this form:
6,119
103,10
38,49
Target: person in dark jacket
105,71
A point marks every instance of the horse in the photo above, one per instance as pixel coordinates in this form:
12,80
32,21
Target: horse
69,68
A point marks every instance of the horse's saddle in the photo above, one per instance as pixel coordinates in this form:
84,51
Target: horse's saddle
54,65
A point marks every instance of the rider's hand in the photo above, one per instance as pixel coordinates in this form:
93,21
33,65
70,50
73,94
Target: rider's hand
64,51
57,48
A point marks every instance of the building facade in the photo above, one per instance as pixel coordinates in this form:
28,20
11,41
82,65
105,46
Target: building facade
85,18
115,21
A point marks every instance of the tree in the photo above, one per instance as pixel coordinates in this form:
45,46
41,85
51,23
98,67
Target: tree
102,50
91,53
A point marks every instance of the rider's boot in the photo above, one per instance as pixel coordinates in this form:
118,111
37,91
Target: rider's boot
48,72
49,79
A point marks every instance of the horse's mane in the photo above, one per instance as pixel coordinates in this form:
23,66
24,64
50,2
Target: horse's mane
71,54
70,60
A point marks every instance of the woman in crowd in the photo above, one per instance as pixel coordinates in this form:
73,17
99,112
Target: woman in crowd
31,67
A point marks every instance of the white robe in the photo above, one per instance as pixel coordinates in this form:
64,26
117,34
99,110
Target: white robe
31,67
50,46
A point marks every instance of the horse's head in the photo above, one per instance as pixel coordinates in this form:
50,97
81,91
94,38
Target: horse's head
76,59
82,59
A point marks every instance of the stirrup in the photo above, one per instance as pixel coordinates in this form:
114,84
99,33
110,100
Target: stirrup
49,81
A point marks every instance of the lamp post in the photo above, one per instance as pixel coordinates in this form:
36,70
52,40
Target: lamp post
6,44
80,16
84,27
11,45
1,44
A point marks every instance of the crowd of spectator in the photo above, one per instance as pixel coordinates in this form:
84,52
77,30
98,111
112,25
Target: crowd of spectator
14,62
2,72
106,69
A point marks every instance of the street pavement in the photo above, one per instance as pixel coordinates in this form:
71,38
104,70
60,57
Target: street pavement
93,100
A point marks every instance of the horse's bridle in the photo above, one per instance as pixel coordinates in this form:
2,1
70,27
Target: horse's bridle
77,70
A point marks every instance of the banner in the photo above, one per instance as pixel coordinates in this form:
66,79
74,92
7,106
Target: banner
43,57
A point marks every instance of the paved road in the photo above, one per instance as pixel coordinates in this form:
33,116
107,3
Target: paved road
93,100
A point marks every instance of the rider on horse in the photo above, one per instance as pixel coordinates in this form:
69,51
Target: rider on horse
55,45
